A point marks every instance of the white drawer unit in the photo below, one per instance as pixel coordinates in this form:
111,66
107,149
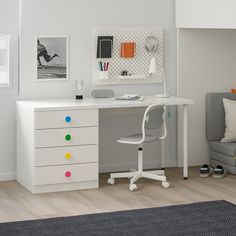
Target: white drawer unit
57,148
66,137
66,155
70,118
66,174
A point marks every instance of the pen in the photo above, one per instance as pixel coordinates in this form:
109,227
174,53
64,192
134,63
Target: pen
100,65
103,66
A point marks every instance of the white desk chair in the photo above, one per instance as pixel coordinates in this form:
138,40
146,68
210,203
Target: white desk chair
154,118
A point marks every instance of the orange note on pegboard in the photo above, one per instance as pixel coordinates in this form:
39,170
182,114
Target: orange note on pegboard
127,49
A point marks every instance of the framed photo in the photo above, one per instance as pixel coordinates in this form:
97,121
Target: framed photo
52,58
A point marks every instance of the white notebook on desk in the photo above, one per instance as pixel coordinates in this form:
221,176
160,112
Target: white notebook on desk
128,97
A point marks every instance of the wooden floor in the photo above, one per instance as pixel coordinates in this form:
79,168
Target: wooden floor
16,203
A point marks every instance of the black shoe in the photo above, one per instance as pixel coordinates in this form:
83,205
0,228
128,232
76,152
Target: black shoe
219,172
205,171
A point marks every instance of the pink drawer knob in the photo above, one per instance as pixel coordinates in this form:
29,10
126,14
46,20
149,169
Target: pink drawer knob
68,174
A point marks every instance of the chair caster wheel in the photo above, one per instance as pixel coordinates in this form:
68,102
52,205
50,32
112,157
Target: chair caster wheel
111,181
132,187
165,184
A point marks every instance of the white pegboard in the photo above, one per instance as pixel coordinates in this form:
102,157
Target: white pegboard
137,65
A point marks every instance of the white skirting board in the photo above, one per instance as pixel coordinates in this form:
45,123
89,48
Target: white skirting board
107,168
133,165
7,176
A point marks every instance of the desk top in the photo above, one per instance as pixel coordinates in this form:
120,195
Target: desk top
100,103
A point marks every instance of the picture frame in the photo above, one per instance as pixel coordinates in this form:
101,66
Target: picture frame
52,58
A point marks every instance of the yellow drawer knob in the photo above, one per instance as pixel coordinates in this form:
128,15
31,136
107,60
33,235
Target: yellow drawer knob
67,155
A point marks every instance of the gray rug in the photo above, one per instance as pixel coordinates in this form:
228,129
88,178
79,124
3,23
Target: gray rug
205,218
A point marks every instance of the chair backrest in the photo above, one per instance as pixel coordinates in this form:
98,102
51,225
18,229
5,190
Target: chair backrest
154,118
215,115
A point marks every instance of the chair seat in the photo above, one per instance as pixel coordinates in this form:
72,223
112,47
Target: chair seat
225,148
137,138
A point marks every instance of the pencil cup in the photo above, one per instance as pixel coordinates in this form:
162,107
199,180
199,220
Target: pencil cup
103,75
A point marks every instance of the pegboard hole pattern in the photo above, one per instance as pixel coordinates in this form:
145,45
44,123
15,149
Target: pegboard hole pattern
136,66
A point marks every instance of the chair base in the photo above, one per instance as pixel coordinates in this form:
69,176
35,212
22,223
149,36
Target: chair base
136,175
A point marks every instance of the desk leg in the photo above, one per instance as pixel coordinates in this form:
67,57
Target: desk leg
185,141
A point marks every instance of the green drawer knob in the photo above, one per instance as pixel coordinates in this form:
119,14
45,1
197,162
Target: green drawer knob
68,137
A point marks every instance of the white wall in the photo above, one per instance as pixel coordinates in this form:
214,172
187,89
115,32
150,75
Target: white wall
76,19
206,14
207,63
9,16
9,24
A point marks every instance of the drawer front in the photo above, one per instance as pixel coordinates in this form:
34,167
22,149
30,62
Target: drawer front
66,137
66,174
71,118
66,155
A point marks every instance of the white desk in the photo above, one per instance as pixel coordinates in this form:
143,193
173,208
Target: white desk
43,148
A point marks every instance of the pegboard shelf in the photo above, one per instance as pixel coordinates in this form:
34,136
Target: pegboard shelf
137,66
138,76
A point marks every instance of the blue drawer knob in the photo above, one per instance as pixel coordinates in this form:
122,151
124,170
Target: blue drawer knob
68,119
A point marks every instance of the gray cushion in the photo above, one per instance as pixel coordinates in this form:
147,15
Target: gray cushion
215,115
229,160
224,148
137,138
